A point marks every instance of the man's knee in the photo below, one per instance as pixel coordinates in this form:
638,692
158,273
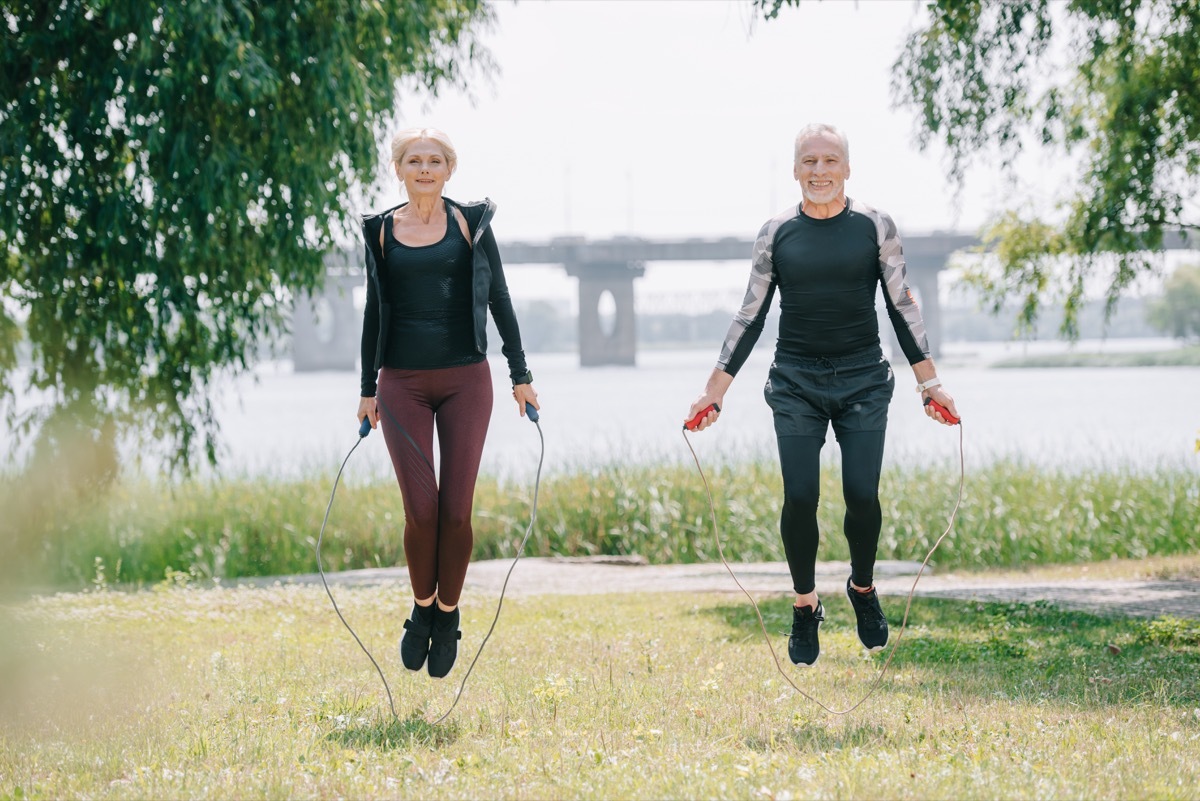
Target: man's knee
802,499
862,498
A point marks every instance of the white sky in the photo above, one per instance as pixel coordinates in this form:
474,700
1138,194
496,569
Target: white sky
676,118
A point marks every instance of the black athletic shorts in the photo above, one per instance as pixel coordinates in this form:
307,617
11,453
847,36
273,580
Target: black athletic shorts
807,393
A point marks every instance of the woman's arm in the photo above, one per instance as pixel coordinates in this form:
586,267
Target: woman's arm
370,335
500,304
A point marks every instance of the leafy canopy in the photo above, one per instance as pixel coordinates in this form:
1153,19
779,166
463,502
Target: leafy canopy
1177,312
171,172
1109,82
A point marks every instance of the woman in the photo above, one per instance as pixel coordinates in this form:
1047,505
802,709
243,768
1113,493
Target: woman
433,271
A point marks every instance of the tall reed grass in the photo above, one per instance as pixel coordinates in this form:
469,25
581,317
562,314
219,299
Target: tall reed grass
1012,516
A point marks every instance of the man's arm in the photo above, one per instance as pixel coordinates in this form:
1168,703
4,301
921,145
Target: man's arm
930,387
714,393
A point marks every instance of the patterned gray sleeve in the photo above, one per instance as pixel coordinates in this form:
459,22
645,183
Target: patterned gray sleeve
748,322
893,275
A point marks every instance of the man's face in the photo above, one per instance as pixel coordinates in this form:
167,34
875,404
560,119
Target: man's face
822,169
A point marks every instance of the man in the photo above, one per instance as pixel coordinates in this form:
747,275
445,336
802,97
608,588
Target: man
827,256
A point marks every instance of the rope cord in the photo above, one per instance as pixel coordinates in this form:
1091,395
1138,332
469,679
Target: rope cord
767,637
504,587
499,604
321,570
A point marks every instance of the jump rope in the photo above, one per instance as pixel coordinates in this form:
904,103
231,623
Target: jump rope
532,414
948,417
363,430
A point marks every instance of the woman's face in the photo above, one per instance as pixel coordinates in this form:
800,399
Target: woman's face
424,169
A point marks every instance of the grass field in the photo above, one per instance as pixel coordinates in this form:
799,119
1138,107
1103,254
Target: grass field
1012,517
184,692
180,689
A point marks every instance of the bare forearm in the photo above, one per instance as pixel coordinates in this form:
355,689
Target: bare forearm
718,384
924,370
714,393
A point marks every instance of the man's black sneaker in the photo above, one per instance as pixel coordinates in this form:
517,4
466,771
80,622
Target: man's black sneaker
804,646
443,649
414,645
872,625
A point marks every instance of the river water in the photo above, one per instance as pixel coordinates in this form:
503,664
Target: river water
283,423
280,423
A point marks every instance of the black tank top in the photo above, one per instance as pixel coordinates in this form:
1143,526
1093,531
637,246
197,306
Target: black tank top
429,290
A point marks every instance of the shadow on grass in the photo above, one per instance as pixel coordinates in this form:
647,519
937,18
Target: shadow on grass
1033,653
390,733
822,738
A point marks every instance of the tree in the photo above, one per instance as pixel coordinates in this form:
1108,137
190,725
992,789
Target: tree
984,79
1177,312
170,174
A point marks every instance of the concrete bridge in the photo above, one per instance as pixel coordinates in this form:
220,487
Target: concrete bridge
326,330
611,265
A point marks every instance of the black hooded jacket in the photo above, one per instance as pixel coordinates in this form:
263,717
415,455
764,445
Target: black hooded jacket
489,290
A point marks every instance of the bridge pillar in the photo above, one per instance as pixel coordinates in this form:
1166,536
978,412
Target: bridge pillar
326,327
596,346
925,282
926,256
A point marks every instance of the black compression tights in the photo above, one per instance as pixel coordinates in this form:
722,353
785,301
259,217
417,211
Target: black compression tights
862,459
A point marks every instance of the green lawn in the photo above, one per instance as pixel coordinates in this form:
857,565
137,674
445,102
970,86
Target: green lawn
182,692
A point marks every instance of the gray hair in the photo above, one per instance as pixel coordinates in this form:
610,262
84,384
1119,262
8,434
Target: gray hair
405,139
821,129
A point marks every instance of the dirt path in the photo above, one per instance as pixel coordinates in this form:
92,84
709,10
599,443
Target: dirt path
569,576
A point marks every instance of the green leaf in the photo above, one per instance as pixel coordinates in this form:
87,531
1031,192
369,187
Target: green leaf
171,170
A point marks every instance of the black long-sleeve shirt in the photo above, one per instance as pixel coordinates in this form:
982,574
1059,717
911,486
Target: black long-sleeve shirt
428,288
489,292
827,271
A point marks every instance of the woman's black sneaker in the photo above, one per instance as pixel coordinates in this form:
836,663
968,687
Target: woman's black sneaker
872,625
804,646
414,645
443,649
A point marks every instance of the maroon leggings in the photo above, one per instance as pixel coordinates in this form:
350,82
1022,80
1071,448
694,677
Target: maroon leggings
437,511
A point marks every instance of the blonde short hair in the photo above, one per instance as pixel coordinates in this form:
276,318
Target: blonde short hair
821,129
405,139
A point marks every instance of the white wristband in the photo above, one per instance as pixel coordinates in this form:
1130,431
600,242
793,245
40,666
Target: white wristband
930,384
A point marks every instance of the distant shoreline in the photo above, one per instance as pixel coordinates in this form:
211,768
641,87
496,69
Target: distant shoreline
1182,357
1115,352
